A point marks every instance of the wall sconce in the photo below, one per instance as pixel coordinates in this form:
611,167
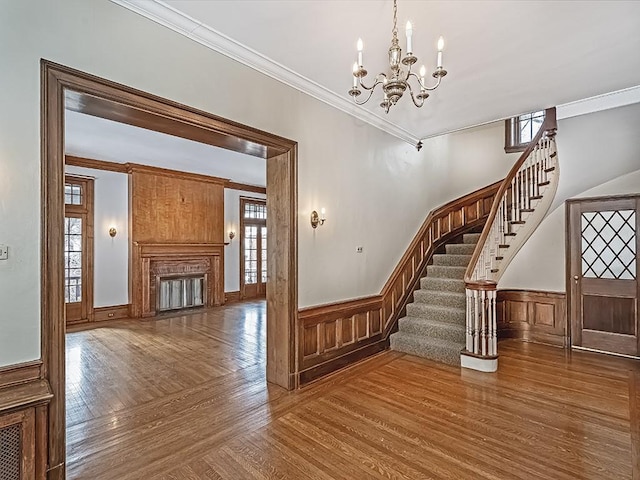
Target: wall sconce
232,235
317,219
113,232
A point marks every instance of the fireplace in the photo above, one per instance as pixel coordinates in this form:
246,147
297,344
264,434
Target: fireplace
171,277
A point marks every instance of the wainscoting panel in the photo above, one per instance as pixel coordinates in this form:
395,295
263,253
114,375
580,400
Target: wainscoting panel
335,335
533,316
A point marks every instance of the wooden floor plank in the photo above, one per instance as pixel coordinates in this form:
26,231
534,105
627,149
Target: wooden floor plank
185,398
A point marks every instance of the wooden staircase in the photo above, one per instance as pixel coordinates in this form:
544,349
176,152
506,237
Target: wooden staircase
452,318
434,326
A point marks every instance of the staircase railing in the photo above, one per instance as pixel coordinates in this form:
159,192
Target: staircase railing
521,203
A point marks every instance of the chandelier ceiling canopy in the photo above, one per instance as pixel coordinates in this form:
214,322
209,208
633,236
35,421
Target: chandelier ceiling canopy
396,82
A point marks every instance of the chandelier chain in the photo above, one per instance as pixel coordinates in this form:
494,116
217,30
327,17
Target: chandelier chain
395,20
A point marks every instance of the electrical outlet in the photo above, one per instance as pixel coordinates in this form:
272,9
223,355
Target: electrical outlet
4,252
358,249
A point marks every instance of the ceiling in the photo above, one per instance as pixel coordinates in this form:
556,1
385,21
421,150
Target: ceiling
503,57
93,137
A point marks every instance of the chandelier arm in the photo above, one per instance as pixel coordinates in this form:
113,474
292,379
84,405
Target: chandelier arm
423,85
365,101
377,81
413,99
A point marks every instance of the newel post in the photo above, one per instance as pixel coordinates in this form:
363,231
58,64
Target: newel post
481,352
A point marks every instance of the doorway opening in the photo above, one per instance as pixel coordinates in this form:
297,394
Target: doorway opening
253,253
124,104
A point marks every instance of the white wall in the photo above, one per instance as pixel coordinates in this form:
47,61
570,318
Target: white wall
599,154
111,255
232,223
376,189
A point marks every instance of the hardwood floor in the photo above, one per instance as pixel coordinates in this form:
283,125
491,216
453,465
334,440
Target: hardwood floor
186,398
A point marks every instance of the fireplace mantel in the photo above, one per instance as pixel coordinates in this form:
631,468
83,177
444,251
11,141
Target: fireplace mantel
150,261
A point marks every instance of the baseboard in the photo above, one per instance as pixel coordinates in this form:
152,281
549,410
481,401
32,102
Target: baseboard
533,316
232,297
20,373
114,312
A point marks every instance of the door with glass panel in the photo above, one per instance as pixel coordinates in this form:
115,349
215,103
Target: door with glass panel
253,251
603,274
78,249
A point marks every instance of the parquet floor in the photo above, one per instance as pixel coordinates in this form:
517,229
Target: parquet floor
185,398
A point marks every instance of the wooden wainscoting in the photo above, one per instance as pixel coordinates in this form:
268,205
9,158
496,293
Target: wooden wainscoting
335,335
20,373
332,336
114,312
533,316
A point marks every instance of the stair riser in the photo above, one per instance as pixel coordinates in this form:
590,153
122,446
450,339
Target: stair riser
452,260
421,310
470,238
460,248
440,271
414,326
437,298
449,356
442,285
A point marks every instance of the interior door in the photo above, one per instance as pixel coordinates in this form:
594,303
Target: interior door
603,252
253,261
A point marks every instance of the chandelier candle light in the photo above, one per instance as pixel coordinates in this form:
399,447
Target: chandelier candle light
395,83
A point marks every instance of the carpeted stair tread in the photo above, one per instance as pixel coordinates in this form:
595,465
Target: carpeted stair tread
445,271
433,329
451,260
436,349
442,284
460,248
444,299
471,237
437,313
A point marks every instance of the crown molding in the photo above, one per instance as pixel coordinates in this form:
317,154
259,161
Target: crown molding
169,17
606,101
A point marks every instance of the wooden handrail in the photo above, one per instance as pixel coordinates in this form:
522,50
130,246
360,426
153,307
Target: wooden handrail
548,124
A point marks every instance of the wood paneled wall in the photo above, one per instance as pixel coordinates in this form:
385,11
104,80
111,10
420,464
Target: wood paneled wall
335,335
170,207
533,316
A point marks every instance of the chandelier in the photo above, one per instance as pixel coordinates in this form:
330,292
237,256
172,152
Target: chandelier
395,83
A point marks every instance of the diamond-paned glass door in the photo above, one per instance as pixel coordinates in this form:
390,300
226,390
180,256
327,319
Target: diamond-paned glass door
603,257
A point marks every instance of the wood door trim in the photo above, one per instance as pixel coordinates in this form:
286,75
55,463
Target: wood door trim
129,105
572,231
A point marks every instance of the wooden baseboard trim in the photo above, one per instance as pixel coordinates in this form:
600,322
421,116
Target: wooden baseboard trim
20,373
341,362
533,316
232,297
114,312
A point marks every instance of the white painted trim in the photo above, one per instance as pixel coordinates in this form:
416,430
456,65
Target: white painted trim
479,364
606,101
165,15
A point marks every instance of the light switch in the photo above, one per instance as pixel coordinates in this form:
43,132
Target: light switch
4,252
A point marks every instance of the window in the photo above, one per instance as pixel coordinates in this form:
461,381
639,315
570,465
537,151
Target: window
520,131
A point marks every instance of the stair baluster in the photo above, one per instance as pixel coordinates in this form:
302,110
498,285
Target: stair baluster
529,189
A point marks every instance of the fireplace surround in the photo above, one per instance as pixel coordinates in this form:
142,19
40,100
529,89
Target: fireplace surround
154,263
